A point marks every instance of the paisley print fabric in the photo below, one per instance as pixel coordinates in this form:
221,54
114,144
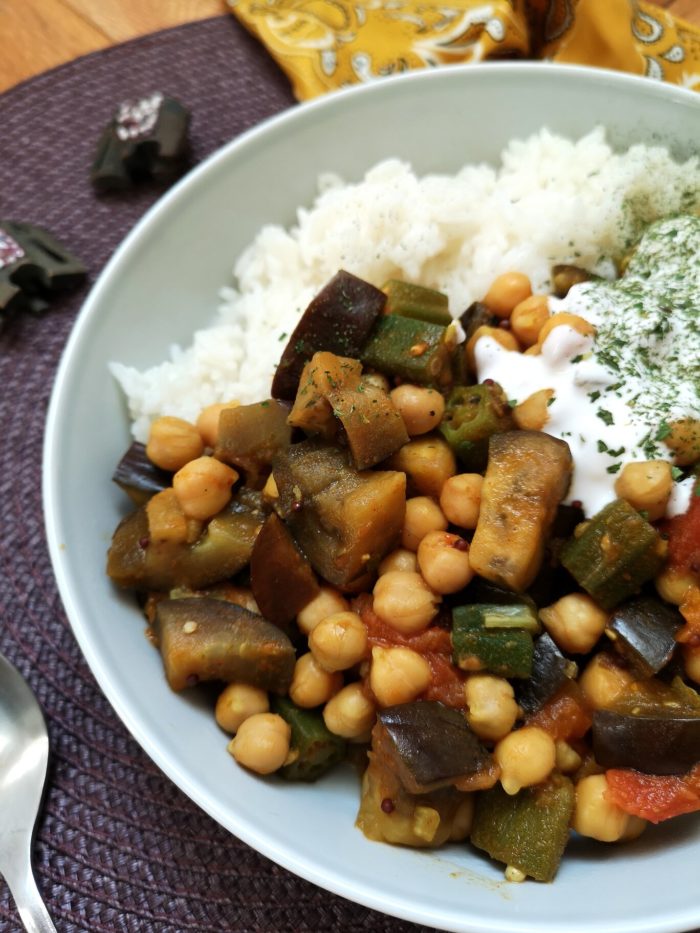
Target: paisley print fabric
326,44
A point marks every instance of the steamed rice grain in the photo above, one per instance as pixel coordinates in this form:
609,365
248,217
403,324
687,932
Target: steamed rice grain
549,201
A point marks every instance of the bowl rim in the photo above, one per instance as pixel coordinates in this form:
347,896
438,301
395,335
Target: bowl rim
306,110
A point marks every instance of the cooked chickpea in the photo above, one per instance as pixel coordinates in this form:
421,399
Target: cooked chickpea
420,408
339,641
599,818
312,684
604,679
378,380
167,523
203,487
506,292
575,622
647,486
236,703
423,515
575,321
533,413
173,442
673,584
398,675
684,440
443,559
324,604
691,662
428,462
460,499
568,759
528,319
400,559
404,601
491,707
526,757
350,713
208,421
262,743
504,337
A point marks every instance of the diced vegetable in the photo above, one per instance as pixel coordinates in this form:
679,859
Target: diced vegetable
528,474
616,552
550,671
222,550
654,797
210,639
565,715
431,746
344,521
314,750
338,319
505,651
684,537
325,372
477,315
666,741
416,301
373,426
138,476
415,351
528,830
281,577
644,631
472,415
251,435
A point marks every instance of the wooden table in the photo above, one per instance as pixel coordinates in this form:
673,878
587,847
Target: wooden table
36,35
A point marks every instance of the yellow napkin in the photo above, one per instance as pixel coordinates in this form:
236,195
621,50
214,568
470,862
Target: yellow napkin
327,44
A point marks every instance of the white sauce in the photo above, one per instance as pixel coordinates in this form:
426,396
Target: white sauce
610,413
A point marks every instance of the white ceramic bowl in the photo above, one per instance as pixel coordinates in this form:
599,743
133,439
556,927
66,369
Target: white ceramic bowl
162,283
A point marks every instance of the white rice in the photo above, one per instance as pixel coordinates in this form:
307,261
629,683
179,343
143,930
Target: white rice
551,200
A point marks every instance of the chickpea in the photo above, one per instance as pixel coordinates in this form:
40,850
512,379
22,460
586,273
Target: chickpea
428,462
423,515
339,641
647,486
599,818
312,684
504,337
398,675
568,759
378,380
506,292
684,441
491,707
208,421
262,743
324,604
404,601
173,442
443,559
203,487
533,413
236,703
575,622
604,679
421,409
528,319
400,559
575,321
526,757
672,585
350,713
167,523
460,499
691,662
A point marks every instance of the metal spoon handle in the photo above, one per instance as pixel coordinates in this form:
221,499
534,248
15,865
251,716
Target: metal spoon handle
32,910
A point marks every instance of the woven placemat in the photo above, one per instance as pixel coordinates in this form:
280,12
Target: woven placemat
118,848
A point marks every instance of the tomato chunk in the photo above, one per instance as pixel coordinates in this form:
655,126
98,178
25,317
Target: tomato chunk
654,797
684,537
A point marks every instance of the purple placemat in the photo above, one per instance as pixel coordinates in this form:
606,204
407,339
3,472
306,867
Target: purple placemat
119,848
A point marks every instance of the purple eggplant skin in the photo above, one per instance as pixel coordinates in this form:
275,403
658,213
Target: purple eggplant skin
644,633
663,743
281,577
431,745
550,671
339,319
138,476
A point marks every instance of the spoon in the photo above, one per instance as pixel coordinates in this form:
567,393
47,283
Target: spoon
24,755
